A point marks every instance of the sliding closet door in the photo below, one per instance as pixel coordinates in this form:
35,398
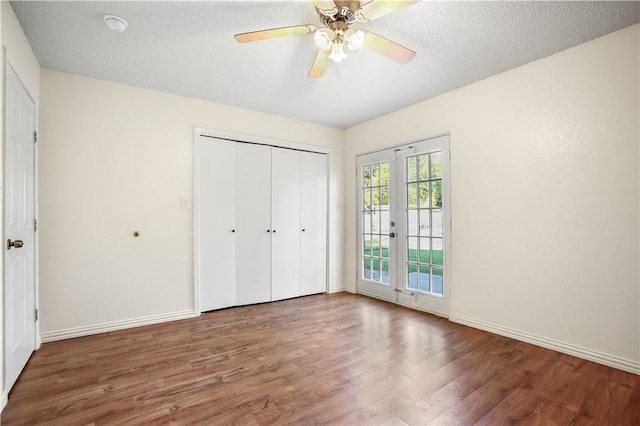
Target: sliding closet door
253,227
217,245
285,219
313,223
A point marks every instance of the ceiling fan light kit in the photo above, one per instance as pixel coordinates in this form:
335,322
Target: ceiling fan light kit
337,17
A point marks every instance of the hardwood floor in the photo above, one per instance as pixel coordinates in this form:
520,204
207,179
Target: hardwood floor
337,359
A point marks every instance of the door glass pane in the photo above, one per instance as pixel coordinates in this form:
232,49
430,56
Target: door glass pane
423,206
412,222
375,227
436,217
424,222
424,278
436,165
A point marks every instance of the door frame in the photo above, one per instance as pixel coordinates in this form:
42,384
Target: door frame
38,340
260,140
447,205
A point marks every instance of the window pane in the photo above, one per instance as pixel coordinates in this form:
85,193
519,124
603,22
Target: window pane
411,169
424,195
424,223
375,269
436,280
436,222
375,198
375,175
412,276
384,174
366,244
436,194
366,176
366,268
423,167
412,195
385,271
384,222
424,278
384,247
366,222
375,245
424,250
412,249
366,199
384,197
436,251
436,164
412,222
375,222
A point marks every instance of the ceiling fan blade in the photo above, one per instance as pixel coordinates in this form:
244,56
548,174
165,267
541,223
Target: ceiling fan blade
326,7
378,8
320,64
388,48
275,32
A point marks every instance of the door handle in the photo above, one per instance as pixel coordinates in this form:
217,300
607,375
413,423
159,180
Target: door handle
392,234
16,244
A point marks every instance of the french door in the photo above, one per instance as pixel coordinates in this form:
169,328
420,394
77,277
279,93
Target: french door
404,225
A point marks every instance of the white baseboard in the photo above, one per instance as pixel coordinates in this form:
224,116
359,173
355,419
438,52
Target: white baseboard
70,333
566,348
5,399
335,290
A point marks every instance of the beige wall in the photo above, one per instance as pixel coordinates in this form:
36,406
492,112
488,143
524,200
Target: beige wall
114,159
545,197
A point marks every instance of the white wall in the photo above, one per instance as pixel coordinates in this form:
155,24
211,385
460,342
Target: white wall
18,53
114,159
545,197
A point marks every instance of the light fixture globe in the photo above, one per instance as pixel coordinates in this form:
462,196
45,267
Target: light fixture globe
323,39
337,52
355,40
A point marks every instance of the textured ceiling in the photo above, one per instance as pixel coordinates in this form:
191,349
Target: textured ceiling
187,48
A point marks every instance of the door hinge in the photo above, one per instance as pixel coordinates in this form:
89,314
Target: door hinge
35,137
35,315
35,225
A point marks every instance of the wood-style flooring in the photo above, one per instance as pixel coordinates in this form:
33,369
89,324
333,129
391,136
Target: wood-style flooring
326,359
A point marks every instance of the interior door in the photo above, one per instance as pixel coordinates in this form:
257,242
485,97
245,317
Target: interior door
217,213
19,295
313,223
285,220
377,225
253,224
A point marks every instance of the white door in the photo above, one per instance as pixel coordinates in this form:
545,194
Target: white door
285,222
424,226
377,225
253,224
313,223
404,225
19,295
217,222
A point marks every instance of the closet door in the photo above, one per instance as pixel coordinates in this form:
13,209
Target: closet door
313,223
285,219
253,227
217,246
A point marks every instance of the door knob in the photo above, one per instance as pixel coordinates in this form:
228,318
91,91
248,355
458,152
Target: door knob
16,244
392,234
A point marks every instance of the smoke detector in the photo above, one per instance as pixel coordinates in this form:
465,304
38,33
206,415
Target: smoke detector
115,23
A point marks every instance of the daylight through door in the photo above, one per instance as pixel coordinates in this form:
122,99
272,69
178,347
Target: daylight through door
403,225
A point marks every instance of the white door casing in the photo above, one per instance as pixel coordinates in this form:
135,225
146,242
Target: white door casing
19,266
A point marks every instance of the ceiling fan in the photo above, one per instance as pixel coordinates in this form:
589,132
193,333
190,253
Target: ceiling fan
336,18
